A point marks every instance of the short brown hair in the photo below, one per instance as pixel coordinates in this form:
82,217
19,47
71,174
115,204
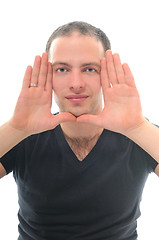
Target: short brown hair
84,29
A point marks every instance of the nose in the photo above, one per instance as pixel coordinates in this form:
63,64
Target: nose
76,81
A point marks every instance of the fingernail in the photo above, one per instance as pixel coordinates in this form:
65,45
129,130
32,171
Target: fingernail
109,51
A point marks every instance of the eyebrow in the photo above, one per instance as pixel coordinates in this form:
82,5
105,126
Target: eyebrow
83,65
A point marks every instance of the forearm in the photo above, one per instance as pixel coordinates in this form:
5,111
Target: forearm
9,137
147,137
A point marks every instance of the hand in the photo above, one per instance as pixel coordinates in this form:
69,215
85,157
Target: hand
122,108
33,109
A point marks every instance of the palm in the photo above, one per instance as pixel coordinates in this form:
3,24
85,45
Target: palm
122,108
33,109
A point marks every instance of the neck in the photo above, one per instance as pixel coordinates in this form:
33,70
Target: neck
80,130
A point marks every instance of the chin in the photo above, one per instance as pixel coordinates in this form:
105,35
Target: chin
77,111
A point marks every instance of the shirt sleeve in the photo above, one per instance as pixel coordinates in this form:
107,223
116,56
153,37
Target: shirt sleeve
152,164
14,158
8,160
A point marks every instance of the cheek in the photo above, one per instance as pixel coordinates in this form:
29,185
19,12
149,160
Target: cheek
54,83
58,85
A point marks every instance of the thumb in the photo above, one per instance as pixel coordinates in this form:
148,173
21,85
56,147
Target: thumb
87,118
63,117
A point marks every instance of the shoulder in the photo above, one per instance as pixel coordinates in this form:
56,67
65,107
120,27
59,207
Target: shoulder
39,140
121,146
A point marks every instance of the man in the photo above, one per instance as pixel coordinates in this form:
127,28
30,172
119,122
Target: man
80,173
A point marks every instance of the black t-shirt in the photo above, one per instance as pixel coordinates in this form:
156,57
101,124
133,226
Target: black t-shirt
63,198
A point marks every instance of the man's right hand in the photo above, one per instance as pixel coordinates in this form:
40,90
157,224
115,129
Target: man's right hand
33,109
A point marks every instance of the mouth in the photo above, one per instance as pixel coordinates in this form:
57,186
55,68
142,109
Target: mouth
76,98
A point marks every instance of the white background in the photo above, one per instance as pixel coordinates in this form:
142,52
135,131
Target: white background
132,27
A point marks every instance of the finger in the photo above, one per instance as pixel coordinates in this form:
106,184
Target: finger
36,70
110,68
104,78
104,74
129,79
27,77
48,85
118,68
43,70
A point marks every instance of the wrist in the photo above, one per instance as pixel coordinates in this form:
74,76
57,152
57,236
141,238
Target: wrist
139,130
146,135
19,132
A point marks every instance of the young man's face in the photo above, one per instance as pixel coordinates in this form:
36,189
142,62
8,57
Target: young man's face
76,74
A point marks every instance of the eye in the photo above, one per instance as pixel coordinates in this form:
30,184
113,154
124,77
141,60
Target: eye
91,70
61,70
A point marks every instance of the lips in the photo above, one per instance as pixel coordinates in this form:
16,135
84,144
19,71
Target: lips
77,98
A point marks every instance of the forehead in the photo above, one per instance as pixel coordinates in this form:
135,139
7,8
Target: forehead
76,47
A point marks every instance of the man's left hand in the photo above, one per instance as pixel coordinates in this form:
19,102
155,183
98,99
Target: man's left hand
122,107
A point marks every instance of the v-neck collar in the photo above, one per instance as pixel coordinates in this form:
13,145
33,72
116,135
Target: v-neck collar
70,156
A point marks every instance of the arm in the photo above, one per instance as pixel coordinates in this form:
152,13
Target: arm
32,113
9,137
122,111
2,171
